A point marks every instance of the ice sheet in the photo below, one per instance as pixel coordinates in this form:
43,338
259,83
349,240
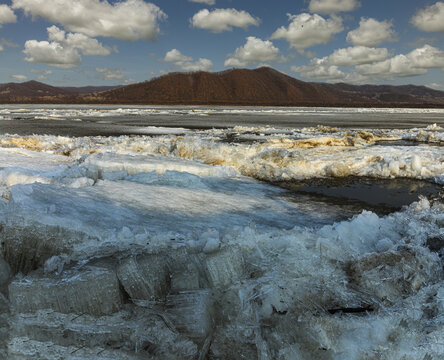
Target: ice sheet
273,278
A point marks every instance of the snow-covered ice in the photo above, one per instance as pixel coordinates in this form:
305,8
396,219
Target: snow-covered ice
193,240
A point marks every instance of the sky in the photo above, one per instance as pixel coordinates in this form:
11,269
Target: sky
99,42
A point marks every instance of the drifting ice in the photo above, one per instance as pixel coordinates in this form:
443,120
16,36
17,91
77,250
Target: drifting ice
168,247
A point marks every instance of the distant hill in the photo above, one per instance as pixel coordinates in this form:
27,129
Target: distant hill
263,86
259,87
15,92
378,94
89,89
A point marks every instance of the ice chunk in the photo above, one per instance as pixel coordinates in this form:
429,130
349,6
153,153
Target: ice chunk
26,248
25,349
186,270
136,331
90,290
393,274
192,312
144,277
212,241
225,267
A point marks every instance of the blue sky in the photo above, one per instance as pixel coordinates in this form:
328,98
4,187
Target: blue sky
84,42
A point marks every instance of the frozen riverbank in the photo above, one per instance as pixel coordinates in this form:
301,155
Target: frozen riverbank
172,246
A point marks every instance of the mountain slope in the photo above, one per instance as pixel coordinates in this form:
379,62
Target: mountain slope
263,86
386,93
14,92
259,87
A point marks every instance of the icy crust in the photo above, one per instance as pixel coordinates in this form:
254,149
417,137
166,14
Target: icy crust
358,289
64,112
161,248
263,153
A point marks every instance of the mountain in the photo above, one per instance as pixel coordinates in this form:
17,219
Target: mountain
263,86
15,92
89,89
26,91
380,94
259,87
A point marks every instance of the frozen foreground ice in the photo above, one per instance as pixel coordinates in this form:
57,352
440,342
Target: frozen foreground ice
177,247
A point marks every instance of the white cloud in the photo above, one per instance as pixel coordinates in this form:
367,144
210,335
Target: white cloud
85,44
417,62
427,57
126,20
307,30
220,20
19,77
176,56
42,72
6,15
400,66
63,50
186,63
435,86
110,74
372,32
208,2
431,18
51,53
198,65
255,50
327,68
332,6
319,71
1,48
357,55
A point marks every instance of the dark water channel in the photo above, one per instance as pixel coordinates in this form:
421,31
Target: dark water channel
354,194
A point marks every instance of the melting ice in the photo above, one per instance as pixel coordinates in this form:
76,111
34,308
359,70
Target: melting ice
177,246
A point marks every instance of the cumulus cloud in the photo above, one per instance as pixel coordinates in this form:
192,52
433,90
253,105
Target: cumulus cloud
6,15
126,20
254,51
176,56
306,30
417,62
208,2
186,63
431,18
63,50
332,6
372,32
356,55
318,70
220,20
110,74
42,72
19,77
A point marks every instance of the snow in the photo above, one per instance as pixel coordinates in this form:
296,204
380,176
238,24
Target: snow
275,259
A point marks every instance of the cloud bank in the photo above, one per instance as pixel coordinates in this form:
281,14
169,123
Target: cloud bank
127,20
306,30
63,50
